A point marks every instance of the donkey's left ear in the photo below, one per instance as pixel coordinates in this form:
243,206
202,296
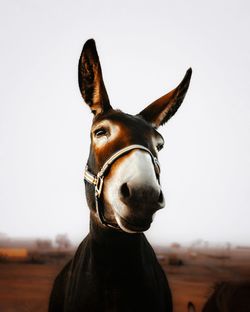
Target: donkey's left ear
165,107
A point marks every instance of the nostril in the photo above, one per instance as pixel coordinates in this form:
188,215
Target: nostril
125,190
161,198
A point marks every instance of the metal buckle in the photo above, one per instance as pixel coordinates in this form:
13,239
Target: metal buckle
157,165
98,186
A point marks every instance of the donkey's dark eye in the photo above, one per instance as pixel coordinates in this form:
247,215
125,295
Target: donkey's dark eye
159,146
100,132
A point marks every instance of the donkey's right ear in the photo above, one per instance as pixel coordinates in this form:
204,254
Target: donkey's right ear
90,79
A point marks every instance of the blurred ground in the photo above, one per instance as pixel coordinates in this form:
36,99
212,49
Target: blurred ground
25,287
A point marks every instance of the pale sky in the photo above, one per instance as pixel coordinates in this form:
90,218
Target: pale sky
145,48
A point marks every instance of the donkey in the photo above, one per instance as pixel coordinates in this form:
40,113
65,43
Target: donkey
115,268
227,296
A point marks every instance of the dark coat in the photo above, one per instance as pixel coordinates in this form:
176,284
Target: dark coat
112,272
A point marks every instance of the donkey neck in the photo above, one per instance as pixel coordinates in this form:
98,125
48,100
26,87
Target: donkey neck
114,238
113,247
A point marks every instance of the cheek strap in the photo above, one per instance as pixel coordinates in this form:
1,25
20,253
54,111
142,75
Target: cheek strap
98,180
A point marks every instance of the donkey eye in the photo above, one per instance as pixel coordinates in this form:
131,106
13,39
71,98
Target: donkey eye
100,132
159,146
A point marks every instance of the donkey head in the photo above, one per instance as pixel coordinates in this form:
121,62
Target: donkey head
123,152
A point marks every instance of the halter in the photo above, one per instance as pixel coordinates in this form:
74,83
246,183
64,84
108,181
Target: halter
98,180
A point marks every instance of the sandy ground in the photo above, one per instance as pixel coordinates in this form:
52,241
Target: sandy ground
26,287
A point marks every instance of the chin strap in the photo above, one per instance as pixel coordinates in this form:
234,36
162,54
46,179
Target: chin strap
98,180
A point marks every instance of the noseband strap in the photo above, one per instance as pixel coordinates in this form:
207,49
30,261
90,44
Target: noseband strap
97,180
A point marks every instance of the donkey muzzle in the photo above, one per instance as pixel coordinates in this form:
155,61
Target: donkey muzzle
135,196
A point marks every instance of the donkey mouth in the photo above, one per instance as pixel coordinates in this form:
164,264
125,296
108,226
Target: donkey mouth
129,225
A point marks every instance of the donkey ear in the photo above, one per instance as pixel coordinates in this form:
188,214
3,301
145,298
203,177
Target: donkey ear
165,107
90,79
